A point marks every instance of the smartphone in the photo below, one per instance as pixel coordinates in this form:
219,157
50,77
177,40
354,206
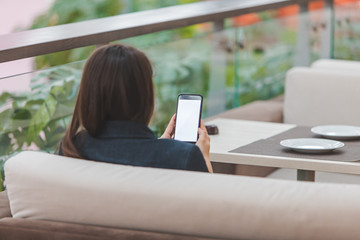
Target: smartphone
188,115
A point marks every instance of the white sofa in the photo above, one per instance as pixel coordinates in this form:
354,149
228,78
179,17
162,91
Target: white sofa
47,187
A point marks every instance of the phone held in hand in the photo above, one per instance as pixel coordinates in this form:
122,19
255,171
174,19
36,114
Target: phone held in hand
188,115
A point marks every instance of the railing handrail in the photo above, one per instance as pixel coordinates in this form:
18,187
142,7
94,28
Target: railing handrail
104,30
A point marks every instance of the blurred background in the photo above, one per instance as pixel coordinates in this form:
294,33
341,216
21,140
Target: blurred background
245,61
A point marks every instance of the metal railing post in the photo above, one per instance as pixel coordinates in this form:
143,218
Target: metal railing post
302,57
327,37
217,88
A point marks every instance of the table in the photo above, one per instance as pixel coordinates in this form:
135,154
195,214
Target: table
237,133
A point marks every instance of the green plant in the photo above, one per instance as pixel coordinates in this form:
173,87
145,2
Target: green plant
38,118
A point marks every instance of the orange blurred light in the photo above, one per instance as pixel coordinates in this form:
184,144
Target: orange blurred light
246,19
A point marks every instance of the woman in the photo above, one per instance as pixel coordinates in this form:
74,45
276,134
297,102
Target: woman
112,112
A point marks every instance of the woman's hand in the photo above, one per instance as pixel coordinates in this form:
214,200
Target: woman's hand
169,131
204,144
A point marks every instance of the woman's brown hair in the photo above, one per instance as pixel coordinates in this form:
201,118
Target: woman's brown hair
116,85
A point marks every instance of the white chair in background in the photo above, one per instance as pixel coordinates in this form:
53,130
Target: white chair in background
315,96
320,95
337,64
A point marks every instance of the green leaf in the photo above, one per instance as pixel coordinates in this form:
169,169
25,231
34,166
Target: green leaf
2,175
39,142
34,104
1,183
41,118
5,119
5,142
182,72
20,137
42,74
53,137
4,97
21,114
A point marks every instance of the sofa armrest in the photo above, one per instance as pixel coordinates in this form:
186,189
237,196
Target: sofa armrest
4,205
261,110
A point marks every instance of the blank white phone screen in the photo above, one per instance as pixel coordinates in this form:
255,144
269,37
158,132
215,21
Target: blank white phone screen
187,120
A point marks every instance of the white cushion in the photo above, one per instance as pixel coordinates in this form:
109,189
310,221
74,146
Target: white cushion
319,96
45,186
337,64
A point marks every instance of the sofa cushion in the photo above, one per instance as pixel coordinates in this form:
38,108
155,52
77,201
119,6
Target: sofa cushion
49,187
267,111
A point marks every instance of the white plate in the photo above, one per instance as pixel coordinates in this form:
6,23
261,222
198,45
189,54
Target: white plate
311,145
339,132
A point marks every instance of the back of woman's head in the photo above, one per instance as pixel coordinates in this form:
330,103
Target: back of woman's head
116,85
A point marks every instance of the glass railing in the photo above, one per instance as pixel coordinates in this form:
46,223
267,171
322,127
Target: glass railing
231,67
347,31
37,118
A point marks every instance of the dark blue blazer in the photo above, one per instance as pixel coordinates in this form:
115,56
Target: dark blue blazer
130,143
